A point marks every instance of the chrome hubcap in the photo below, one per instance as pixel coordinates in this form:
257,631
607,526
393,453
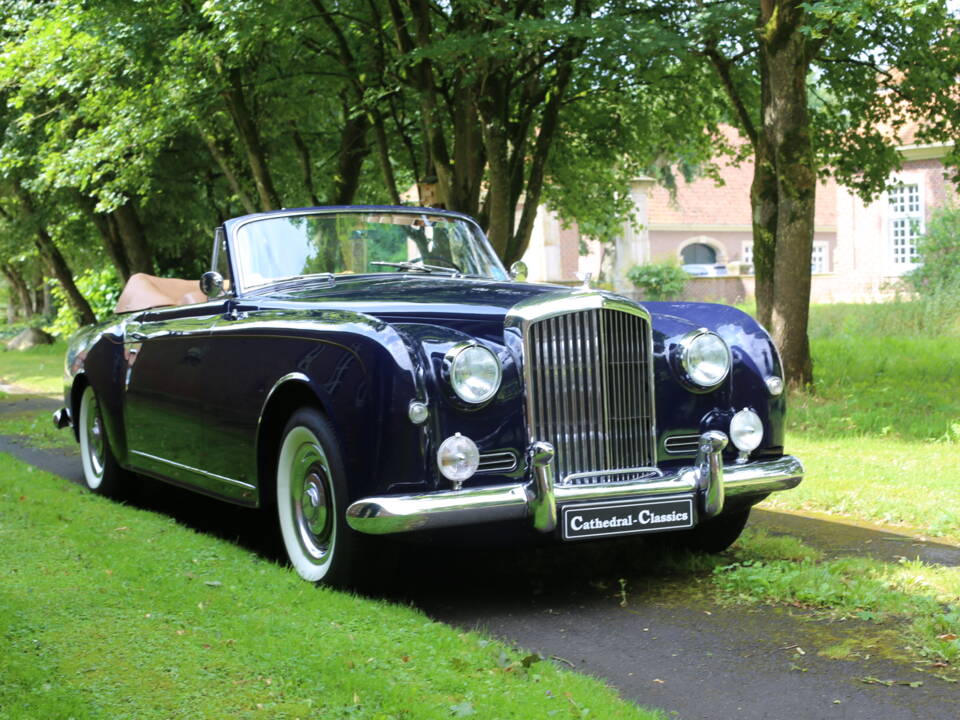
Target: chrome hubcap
311,499
313,504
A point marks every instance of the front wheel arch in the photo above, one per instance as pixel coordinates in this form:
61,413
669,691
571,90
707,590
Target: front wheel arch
80,383
280,406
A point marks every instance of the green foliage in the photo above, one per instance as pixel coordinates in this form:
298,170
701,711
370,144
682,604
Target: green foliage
659,281
100,287
939,257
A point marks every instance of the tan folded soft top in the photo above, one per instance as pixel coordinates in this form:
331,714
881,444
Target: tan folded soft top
144,291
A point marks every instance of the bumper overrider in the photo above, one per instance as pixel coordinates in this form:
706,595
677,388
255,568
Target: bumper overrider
707,484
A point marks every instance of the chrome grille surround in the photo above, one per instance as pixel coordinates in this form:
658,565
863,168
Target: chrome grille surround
588,377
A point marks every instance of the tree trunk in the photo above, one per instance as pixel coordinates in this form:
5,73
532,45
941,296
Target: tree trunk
250,136
469,155
763,202
383,155
306,165
499,209
19,286
353,150
549,122
226,168
58,265
786,127
107,227
130,231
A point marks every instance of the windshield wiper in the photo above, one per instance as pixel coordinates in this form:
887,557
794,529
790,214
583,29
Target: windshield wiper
283,282
407,265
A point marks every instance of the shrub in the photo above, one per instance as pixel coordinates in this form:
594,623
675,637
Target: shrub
937,279
939,251
659,281
101,288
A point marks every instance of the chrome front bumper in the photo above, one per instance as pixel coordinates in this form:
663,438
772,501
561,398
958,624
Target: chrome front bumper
539,497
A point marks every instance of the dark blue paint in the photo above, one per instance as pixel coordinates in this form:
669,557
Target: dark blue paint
368,345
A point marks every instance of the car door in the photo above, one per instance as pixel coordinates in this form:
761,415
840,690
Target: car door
167,357
246,356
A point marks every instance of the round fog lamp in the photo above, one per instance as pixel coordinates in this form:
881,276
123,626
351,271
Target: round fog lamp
746,431
474,373
458,458
705,358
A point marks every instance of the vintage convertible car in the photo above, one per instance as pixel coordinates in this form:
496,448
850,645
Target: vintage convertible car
365,371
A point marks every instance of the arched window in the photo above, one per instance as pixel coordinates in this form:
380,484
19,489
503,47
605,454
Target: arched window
698,254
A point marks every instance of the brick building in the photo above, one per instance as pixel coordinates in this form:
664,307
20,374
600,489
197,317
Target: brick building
860,249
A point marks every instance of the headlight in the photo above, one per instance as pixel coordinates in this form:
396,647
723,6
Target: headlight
746,430
473,372
705,358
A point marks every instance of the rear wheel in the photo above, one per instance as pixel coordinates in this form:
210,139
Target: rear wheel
311,498
714,535
101,472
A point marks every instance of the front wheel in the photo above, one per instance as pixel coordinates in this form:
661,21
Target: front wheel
101,472
716,534
311,497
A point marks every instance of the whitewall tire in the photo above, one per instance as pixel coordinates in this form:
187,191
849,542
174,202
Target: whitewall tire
311,501
101,473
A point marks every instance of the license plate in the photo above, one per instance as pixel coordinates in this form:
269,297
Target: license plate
626,517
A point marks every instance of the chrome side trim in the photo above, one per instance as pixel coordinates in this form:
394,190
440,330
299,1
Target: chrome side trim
538,499
681,444
198,471
502,461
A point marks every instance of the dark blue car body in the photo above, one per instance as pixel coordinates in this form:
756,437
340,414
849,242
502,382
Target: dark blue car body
199,395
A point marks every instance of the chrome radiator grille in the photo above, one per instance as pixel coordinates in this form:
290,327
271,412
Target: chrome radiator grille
590,393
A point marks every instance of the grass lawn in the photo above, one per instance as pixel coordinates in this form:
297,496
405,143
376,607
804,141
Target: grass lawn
113,612
880,431
912,608
39,369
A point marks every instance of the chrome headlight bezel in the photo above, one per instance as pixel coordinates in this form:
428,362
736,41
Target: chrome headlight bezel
457,375
694,373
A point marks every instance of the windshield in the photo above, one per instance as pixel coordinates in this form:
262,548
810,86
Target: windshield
288,246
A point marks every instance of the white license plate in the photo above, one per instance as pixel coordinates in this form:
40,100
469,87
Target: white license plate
626,517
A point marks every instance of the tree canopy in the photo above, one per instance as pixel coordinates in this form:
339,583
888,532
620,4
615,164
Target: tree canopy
130,129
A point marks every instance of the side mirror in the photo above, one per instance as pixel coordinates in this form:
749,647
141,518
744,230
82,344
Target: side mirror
211,284
518,271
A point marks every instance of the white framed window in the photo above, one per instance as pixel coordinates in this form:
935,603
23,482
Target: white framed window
905,221
819,259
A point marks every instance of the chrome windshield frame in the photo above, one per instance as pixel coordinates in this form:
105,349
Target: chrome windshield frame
233,229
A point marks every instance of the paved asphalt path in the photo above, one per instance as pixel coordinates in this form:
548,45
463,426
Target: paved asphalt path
668,646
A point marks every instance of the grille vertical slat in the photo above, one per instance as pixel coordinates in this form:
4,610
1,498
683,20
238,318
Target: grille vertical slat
590,391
